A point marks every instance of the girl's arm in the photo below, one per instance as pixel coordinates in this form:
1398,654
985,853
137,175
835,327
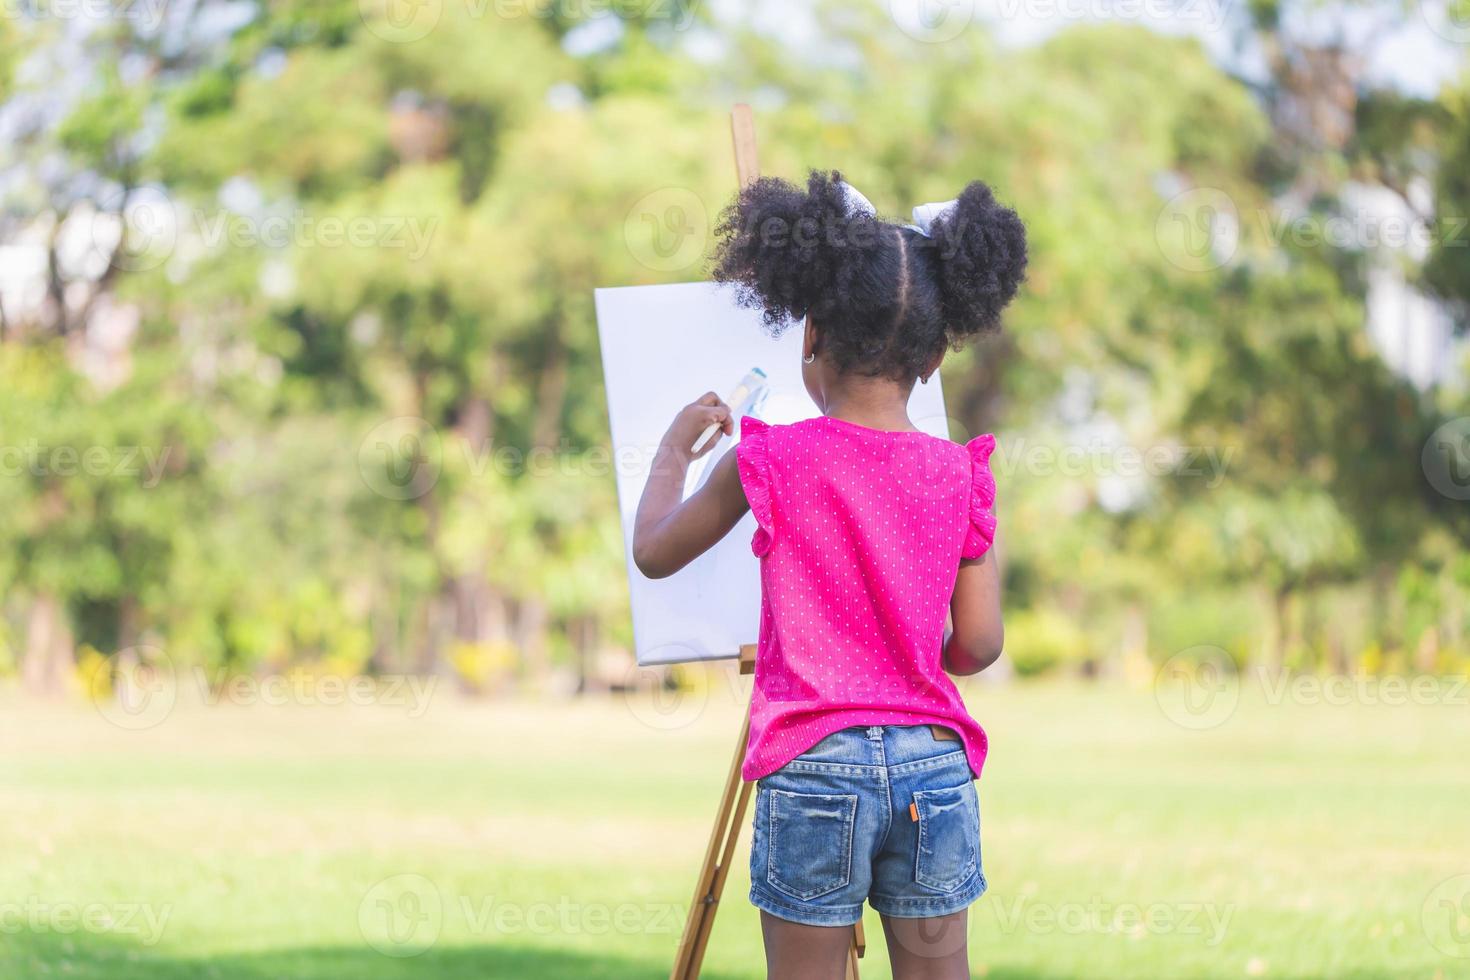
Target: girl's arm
976,639
669,533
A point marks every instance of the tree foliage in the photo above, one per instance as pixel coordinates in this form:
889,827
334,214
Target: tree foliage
351,314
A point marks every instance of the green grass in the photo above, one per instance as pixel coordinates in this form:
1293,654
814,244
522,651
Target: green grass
560,840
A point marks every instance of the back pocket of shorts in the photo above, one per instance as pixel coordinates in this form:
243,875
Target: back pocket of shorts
810,851
949,837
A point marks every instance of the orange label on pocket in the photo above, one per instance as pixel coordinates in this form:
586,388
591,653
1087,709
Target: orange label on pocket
914,812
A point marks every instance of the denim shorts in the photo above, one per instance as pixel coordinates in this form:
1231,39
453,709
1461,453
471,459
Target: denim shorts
886,814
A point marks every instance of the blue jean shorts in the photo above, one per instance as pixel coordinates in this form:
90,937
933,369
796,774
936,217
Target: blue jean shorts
886,814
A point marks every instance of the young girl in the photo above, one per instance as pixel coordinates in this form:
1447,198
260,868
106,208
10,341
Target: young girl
869,531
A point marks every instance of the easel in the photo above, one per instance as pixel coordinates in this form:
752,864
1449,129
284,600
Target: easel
736,797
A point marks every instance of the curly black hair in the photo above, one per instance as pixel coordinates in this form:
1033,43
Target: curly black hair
887,299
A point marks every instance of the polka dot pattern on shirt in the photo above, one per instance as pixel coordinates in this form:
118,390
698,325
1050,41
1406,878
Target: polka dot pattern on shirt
860,533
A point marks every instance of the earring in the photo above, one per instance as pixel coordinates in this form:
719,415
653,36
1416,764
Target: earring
809,358
924,380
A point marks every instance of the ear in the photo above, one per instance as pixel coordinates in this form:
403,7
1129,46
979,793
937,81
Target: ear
931,367
809,337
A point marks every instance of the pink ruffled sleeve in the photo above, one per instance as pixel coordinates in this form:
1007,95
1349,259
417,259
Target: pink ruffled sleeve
981,532
753,460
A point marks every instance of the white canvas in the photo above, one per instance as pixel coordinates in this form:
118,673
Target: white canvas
662,347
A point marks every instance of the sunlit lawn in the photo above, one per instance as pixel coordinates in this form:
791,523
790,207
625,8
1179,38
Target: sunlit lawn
524,841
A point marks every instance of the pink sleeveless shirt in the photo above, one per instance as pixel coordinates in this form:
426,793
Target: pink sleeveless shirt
860,533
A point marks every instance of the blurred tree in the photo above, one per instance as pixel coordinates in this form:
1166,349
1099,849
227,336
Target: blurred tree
361,329
91,538
1447,270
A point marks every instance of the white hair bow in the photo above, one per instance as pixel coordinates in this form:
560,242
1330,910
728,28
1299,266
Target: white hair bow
924,215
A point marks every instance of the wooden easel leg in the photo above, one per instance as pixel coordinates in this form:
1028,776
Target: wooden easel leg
856,950
717,855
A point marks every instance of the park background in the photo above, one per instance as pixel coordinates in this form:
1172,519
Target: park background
314,640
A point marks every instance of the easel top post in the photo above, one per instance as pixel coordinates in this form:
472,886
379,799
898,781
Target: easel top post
742,132
747,169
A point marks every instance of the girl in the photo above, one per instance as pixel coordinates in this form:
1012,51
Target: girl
869,532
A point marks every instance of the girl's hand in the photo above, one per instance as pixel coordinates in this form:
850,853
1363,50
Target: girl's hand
669,532
691,422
